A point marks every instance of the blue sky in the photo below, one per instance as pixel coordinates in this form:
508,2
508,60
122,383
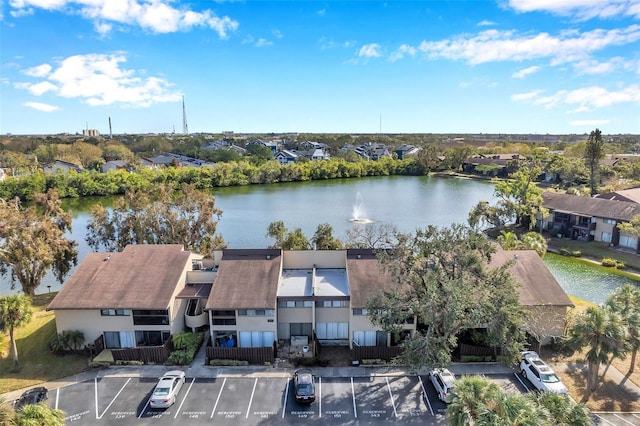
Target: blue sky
483,66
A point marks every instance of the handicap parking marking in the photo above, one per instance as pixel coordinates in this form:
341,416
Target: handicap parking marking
337,399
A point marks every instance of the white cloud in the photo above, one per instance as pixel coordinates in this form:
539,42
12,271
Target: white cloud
496,46
589,123
321,12
525,72
39,71
371,50
158,16
591,66
42,88
277,33
581,9
486,23
100,79
583,99
403,50
41,107
263,42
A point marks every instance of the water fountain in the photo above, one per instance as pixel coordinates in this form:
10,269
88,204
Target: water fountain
358,214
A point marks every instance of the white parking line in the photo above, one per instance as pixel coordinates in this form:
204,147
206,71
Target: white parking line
635,415
393,402
521,382
112,401
353,396
253,392
319,397
218,398
286,392
624,420
57,397
426,397
184,398
605,420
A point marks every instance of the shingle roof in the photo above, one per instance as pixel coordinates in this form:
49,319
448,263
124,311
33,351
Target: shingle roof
366,276
538,287
139,277
632,195
592,207
247,279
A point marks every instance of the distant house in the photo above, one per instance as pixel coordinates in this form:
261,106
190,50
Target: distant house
272,145
60,166
285,156
369,151
113,165
589,219
490,165
631,195
404,151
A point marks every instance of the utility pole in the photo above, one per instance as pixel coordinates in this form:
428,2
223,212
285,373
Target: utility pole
185,127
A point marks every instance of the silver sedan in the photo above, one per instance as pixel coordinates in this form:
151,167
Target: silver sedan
168,387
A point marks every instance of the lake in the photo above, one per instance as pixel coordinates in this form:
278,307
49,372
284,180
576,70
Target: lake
406,202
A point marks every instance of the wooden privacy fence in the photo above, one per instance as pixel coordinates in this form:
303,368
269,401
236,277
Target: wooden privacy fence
376,352
146,354
479,351
251,355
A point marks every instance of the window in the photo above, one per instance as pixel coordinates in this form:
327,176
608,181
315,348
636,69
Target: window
332,330
626,241
118,339
150,317
359,311
609,221
223,317
331,304
370,338
256,339
115,312
295,303
151,338
256,312
606,237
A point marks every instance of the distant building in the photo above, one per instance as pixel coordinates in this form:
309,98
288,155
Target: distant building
90,132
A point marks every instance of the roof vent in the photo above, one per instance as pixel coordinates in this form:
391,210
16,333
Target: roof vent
268,257
359,256
516,256
106,258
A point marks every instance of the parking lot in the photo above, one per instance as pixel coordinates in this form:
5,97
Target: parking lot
402,399
263,400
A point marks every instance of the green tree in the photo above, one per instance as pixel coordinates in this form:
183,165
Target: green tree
372,236
39,415
33,240
471,395
443,280
15,312
157,216
285,239
626,301
593,152
602,331
563,411
323,238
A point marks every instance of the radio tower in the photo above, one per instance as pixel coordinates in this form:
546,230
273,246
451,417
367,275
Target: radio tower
185,127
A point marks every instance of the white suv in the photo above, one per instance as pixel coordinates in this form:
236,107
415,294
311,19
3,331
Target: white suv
445,382
540,374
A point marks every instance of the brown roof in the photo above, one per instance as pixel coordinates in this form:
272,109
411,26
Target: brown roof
366,276
247,279
591,207
140,277
632,195
538,287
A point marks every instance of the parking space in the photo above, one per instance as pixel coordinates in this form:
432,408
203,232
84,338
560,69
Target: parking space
269,400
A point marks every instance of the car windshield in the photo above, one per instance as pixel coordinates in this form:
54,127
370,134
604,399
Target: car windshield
305,389
549,378
161,391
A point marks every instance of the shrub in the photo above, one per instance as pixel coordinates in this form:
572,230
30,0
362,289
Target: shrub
571,253
611,263
68,340
373,361
228,362
471,358
129,362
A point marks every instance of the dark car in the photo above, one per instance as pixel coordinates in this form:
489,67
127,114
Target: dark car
32,396
305,387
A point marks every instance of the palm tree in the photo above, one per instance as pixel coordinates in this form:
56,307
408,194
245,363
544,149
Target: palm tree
515,410
470,399
39,415
564,411
626,301
602,331
15,311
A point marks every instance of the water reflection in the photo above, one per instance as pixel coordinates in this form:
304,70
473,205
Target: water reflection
584,279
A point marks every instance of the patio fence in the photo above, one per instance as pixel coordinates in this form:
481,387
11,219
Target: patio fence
146,354
256,356
376,352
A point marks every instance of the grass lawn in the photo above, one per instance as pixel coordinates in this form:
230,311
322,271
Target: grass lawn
37,363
